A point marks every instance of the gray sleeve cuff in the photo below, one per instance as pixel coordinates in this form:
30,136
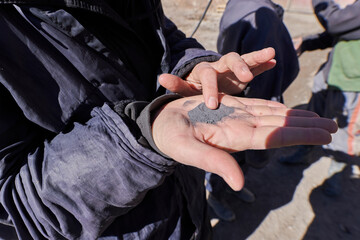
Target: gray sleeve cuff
191,59
144,120
141,112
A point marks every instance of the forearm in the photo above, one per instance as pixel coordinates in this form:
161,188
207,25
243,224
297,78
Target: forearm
318,41
76,184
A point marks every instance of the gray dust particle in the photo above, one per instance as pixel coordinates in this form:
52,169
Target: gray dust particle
203,114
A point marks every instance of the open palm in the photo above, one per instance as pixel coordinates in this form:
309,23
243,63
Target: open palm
190,133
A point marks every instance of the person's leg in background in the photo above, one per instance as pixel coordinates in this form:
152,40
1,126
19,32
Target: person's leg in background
248,26
317,104
217,189
344,108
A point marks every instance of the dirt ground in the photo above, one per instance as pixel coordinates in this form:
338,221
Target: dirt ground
290,203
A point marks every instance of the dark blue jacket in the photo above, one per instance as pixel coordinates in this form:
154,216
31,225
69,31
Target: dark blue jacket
76,160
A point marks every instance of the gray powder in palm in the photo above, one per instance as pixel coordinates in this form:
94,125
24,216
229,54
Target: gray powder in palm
211,116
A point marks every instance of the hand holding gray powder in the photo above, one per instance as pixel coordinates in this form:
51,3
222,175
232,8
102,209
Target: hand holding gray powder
203,114
182,132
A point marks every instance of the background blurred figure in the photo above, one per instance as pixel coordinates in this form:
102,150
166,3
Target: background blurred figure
336,88
246,26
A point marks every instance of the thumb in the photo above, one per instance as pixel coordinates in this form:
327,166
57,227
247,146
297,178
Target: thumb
176,85
210,159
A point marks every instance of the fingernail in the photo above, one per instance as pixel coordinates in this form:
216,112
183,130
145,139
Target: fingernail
212,102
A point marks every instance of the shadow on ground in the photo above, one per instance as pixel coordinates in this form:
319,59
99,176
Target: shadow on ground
274,186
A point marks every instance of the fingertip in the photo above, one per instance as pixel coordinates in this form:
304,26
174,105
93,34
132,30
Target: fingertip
325,139
334,128
272,62
236,183
270,51
249,77
245,74
212,103
330,139
225,166
233,175
163,77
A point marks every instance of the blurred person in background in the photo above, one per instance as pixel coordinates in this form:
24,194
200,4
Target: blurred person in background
247,26
336,88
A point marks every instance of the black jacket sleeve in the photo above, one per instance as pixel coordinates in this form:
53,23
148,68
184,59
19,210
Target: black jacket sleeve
185,53
317,41
72,184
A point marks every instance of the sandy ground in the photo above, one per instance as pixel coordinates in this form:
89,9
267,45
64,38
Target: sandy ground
290,203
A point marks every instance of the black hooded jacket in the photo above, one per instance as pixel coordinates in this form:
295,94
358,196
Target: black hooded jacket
76,162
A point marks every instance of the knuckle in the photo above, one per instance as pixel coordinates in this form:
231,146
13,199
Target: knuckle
207,70
233,55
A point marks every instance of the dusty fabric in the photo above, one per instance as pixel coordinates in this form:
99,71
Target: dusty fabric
71,166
